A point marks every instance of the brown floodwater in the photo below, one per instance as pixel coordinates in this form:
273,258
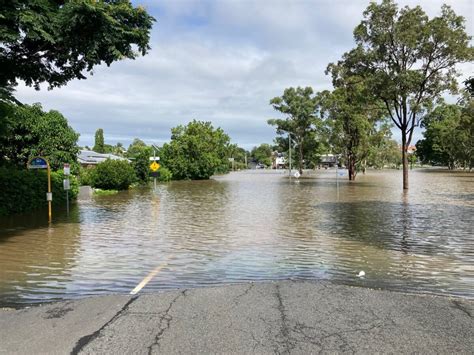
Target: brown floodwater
249,226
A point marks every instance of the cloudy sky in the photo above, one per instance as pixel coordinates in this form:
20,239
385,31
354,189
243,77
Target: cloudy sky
218,61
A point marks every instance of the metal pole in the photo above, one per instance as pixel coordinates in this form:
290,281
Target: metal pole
154,176
49,192
289,151
67,202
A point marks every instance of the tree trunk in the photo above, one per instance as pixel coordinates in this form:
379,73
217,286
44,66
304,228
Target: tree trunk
300,149
405,160
351,168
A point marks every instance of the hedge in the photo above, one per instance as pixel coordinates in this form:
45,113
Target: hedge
25,190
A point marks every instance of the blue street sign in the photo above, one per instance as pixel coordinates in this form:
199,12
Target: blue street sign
38,163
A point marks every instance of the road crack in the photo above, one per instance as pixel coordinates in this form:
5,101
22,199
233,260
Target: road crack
165,322
82,342
286,341
459,306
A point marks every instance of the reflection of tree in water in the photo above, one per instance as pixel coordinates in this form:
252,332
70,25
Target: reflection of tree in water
405,221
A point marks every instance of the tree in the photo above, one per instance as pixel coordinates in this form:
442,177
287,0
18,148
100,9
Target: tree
386,153
140,153
469,83
353,116
196,151
57,41
99,144
299,105
262,154
449,135
407,61
239,155
29,132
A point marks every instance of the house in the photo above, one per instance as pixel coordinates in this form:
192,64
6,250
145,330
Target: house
278,161
328,160
89,158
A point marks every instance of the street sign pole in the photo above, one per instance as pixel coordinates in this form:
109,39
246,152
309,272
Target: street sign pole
49,197
67,171
42,163
289,151
154,166
154,178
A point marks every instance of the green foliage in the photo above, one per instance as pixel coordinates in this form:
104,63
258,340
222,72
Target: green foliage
449,136
85,176
386,154
25,190
56,41
165,175
353,117
99,192
262,154
299,106
140,153
29,132
99,144
239,154
407,60
196,151
113,175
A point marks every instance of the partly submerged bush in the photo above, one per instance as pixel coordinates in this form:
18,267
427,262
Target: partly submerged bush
165,174
113,175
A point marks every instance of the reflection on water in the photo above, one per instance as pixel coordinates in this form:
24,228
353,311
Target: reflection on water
250,226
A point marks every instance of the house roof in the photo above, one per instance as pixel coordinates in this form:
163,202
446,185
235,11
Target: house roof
90,157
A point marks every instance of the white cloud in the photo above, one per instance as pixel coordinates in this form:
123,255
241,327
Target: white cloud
220,61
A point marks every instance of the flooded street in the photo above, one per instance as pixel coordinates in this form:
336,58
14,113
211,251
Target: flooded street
249,226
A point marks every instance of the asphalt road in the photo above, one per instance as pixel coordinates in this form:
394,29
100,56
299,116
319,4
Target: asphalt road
275,317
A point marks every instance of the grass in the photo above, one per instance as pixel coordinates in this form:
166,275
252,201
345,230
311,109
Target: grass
99,192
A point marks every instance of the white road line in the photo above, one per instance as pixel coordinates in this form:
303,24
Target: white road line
148,278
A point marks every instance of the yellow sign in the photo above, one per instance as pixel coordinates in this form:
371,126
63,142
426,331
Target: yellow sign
154,166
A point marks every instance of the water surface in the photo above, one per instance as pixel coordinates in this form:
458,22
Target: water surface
250,226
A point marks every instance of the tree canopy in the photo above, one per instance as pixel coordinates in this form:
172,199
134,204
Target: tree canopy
50,41
29,131
449,136
355,120
262,154
299,106
196,151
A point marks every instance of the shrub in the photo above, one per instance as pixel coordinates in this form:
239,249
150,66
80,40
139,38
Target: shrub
113,175
85,176
165,174
25,190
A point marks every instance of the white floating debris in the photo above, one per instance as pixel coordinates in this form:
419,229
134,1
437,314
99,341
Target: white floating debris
361,274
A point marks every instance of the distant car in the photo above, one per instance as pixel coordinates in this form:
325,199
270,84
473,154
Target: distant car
260,166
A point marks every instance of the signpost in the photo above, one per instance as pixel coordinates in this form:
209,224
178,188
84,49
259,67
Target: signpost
154,166
66,185
42,163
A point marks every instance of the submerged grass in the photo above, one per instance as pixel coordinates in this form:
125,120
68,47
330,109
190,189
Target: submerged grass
99,192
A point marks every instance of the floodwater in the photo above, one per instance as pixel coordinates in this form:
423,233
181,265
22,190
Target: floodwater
249,226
